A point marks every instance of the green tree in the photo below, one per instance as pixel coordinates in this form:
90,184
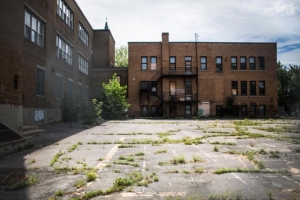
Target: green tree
113,94
288,86
121,57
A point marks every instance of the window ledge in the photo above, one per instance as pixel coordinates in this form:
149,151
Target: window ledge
42,96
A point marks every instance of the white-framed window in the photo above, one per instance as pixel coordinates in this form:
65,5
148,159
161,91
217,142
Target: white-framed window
34,28
70,87
64,11
64,50
40,81
153,61
83,64
83,35
58,86
203,63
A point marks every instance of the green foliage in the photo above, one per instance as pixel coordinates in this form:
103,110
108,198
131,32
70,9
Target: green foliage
121,57
90,176
91,111
288,86
17,184
69,109
113,94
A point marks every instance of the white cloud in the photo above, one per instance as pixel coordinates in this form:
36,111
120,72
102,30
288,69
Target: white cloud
280,7
214,20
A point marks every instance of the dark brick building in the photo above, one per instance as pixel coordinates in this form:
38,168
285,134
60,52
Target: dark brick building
46,52
184,79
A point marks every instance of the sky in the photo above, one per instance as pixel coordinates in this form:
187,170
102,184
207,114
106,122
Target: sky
213,21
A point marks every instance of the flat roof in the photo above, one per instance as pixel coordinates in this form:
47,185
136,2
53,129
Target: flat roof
215,42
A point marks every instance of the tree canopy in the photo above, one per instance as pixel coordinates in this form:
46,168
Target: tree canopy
288,86
113,98
121,57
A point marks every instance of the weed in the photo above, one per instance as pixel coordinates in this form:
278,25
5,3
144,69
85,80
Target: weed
164,134
17,184
92,142
262,152
252,144
270,194
117,171
246,122
31,161
90,176
198,159
100,159
108,165
178,160
298,150
79,183
199,170
80,143
216,149
140,154
126,163
274,154
125,146
161,163
59,193
155,178
161,151
186,171
233,152
55,159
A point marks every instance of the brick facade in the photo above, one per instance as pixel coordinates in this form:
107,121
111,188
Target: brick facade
189,90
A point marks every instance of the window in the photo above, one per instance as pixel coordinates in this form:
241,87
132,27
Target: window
188,90
58,86
64,11
252,88
234,88
188,64
144,63
233,63
243,88
261,85
188,110
83,64
153,63
252,63
219,64
79,91
70,87
253,110
153,88
40,80
83,35
218,110
244,110
144,110
64,50
34,29
243,63
119,78
144,85
203,61
172,63
261,63
262,110
86,92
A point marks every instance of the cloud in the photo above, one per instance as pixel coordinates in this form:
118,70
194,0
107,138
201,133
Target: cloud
214,20
280,7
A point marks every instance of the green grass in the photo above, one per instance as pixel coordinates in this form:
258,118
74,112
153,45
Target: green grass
178,160
161,151
79,183
17,184
246,122
80,143
198,159
91,176
216,149
126,146
262,151
59,193
126,163
186,171
139,154
274,154
155,178
199,170
55,158
161,163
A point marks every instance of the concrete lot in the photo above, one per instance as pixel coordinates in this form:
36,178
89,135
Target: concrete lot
261,158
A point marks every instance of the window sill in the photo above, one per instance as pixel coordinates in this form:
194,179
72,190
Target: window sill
203,70
41,96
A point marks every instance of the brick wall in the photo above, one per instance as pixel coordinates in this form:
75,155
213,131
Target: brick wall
210,85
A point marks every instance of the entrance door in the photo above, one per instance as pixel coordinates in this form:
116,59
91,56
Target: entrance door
206,108
172,90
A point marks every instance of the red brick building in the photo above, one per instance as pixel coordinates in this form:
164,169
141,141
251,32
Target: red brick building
184,79
46,51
